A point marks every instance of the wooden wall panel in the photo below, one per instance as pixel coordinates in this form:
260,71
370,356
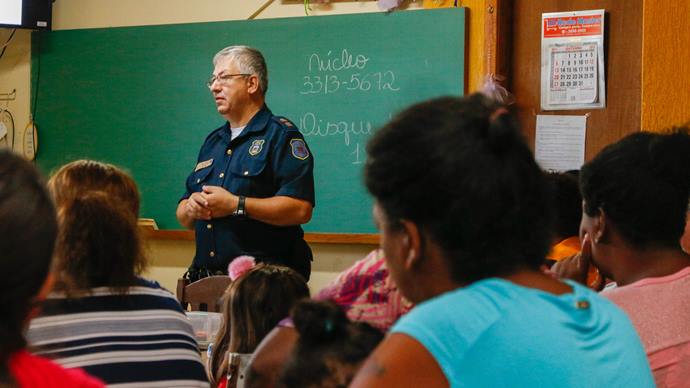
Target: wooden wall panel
497,28
477,19
665,51
623,48
474,60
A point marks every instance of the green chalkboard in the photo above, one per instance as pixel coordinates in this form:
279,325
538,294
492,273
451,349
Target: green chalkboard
136,96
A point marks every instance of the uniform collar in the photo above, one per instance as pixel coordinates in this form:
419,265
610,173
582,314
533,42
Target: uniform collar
256,124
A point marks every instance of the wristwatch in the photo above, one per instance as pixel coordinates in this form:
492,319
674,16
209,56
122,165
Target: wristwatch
240,207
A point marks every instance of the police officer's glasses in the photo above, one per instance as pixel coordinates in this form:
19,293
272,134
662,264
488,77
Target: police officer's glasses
224,79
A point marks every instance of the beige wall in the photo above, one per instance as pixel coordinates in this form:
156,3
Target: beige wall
170,258
15,67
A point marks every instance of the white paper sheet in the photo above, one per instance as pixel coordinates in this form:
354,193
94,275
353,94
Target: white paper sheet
560,142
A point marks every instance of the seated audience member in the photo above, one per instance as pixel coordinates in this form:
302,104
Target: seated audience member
256,301
102,316
635,203
567,214
28,227
465,224
366,293
330,349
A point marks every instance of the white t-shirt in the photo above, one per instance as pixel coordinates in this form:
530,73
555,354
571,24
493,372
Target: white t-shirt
236,132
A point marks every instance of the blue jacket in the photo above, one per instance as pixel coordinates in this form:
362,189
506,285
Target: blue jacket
269,158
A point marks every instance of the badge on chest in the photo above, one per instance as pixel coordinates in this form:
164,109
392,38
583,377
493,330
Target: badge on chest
256,147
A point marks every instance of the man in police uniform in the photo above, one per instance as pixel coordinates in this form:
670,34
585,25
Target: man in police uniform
253,183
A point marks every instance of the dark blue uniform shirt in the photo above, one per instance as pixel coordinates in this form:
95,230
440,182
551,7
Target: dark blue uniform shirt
269,158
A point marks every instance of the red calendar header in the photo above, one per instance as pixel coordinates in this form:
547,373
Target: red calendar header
569,26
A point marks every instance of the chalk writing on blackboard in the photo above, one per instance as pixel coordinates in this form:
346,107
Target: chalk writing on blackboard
362,82
344,71
357,153
311,125
331,62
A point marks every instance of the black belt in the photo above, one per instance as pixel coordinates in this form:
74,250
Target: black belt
194,274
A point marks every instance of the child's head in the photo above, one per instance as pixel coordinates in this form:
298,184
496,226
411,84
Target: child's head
27,229
254,304
330,348
98,244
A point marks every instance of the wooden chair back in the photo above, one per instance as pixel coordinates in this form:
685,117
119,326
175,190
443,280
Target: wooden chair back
237,366
204,294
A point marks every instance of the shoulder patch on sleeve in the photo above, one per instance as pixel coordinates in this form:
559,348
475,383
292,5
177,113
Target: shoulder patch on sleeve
286,122
299,149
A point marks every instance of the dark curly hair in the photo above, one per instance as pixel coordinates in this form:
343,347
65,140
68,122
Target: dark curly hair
330,347
642,183
460,169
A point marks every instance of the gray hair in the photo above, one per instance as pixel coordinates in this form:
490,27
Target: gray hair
248,59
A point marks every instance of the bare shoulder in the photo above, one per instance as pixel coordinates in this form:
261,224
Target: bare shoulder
400,361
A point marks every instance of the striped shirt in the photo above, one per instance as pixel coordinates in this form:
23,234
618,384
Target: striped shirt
138,339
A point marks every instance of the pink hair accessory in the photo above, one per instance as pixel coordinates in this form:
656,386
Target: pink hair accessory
239,266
